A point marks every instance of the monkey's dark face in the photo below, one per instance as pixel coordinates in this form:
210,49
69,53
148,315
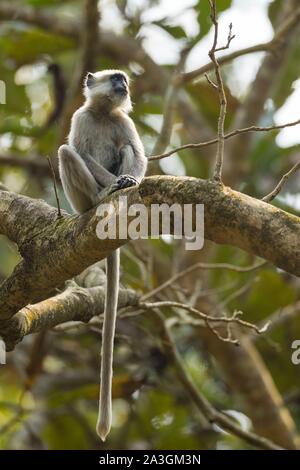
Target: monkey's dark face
110,87
119,84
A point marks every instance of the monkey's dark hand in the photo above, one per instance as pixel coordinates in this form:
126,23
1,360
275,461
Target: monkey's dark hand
125,181
122,181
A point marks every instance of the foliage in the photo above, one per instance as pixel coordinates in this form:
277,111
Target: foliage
60,384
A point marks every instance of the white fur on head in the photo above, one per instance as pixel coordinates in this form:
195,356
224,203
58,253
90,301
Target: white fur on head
97,85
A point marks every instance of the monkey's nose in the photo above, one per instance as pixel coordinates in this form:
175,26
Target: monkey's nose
121,89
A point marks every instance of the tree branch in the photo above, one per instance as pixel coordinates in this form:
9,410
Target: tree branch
271,67
55,250
270,46
74,304
269,197
220,88
226,136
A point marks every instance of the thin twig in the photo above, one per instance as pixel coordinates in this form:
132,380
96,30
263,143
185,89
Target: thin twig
211,84
59,214
194,267
269,197
234,318
226,136
269,46
220,87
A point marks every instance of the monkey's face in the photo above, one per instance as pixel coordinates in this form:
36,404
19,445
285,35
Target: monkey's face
111,86
119,85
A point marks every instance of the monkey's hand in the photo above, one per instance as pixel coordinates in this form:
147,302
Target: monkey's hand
125,181
122,182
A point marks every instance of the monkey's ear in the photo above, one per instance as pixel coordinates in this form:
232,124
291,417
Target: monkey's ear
89,79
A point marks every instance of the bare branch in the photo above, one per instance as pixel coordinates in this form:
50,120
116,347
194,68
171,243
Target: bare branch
226,136
220,87
55,187
269,197
229,39
270,46
74,304
208,319
196,266
212,84
270,71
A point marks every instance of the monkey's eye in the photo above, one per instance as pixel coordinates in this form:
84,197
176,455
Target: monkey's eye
118,78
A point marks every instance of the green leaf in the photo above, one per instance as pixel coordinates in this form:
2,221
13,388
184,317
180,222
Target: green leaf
274,9
40,3
28,45
176,31
290,73
207,101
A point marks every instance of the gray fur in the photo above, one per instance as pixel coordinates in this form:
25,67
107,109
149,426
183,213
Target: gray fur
104,154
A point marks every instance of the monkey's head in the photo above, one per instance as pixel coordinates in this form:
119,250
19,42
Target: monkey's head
110,87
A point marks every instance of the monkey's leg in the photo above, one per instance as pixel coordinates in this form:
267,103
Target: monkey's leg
101,174
108,334
79,185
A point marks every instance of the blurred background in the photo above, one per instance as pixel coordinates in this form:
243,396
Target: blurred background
46,48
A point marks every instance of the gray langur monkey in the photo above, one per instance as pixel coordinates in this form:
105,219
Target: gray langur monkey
104,154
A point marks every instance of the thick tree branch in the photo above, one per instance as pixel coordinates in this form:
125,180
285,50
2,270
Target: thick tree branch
74,304
55,250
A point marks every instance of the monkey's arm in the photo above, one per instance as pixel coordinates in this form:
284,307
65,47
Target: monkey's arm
134,162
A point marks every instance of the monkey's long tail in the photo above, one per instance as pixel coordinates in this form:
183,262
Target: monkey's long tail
108,334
